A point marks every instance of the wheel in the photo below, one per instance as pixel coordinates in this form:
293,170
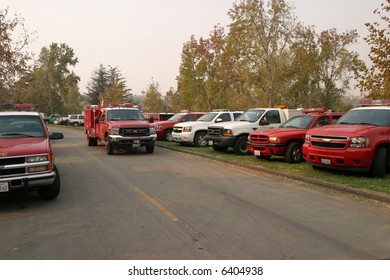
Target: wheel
200,139
294,153
220,148
150,149
75,124
52,191
168,135
240,147
109,147
378,166
90,141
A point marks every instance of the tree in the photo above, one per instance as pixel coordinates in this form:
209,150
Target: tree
109,85
266,31
153,101
376,79
13,56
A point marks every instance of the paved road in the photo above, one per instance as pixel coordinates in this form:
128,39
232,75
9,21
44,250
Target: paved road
170,205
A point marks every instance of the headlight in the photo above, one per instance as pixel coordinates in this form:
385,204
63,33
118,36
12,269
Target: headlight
152,130
359,142
38,158
227,132
307,138
187,129
274,140
114,131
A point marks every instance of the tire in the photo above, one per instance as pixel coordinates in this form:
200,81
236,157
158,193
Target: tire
52,191
240,147
379,165
294,153
168,135
90,140
109,147
200,139
150,149
75,124
220,148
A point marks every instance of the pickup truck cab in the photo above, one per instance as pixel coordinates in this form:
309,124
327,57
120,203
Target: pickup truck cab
195,132
235,134
287,140
27,160
359,141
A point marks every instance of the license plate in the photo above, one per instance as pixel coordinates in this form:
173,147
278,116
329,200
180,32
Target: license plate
210,143
136,142
4,187
257,153
136,145
326,161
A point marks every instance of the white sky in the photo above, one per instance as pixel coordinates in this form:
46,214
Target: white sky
144,38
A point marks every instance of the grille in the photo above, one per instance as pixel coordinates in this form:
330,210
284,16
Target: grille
178,129
215,131
12,161
332,142
258,139
134,131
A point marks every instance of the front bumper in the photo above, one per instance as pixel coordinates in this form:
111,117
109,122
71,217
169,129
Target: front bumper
132,141
268,149
184,137
224,141
27,182
358,159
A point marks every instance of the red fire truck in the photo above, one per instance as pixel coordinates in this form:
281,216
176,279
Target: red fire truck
359,141
118,126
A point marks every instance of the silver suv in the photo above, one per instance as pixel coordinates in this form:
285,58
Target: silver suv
76,120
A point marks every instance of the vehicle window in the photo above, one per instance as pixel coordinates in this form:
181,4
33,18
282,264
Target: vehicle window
380,117
225,117
120,115
21,126
302,122
322,121
272,116
208,117
236,115
188,118
176,117
251,116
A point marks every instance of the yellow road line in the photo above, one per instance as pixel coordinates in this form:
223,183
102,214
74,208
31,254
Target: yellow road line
157,204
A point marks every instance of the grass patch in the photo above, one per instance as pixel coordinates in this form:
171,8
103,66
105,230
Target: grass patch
351,179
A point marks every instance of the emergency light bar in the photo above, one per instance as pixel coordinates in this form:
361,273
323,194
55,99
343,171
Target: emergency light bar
374,102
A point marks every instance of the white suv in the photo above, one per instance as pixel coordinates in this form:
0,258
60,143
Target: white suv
76,120
195,132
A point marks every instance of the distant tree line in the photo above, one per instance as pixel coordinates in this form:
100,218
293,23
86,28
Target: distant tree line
265,57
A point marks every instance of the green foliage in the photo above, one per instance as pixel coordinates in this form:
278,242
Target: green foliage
153,101
109,85
376,79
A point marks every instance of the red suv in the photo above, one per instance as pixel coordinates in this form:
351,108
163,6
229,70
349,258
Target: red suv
287,140
164,129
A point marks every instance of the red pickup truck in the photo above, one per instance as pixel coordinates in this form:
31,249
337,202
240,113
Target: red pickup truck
287,140
27,159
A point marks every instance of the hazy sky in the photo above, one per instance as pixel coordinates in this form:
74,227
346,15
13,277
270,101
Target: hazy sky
144,38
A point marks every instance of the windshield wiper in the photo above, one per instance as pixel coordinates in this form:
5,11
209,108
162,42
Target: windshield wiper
17,134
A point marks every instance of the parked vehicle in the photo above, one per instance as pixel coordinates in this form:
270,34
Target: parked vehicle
156,117
195,132
52,119
287,140
235,134
27,160
164,128
359,141
76,120
63,120
118,126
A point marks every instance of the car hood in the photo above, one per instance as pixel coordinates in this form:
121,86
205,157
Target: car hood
344,130
23,146
235,124
281,132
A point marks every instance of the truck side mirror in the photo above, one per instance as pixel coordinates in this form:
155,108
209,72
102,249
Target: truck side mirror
96,119
151,120
218,120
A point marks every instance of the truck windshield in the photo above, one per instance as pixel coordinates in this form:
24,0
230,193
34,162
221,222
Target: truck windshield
379,117
251,116
176,117
14,126
208,117
298,122
124,114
